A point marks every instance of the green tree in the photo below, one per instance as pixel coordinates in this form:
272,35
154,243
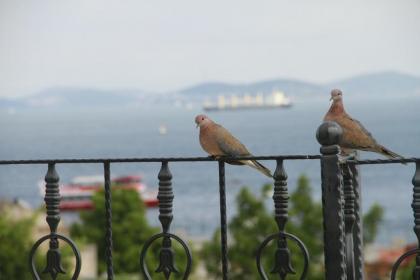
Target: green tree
306,223
15,244
130,230
16,241
371,222
253,223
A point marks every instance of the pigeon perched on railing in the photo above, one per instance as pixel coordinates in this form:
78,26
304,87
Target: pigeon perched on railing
355,135
218,141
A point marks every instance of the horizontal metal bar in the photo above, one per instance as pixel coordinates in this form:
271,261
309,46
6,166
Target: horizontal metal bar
383,161
172,159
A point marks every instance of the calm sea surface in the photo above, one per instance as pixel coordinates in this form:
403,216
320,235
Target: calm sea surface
133,132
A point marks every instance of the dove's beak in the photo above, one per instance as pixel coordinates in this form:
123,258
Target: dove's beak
197,126
331,98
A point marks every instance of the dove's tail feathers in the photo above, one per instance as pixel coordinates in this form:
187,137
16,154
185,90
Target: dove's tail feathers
255,164
235,162
390,154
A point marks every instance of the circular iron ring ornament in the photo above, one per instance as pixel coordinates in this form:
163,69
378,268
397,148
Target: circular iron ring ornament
287,236
400,260
149,242
65,239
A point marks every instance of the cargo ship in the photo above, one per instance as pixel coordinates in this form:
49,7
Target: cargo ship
276,99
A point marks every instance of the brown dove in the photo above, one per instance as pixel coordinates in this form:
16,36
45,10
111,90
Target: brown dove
218,141
355,135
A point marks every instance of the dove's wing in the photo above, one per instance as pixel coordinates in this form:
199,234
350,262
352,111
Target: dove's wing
231,146
228,144
356,135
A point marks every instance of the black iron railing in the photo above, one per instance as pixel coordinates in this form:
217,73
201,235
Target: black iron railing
341,199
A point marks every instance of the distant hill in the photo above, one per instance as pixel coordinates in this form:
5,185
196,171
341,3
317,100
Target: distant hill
383,83
376,84
74,97
380,83
294,87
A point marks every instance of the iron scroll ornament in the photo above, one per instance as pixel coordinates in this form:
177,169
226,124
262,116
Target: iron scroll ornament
278,236
76,252
148,243
401,259
166,255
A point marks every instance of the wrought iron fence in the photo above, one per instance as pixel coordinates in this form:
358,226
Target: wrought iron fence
341,201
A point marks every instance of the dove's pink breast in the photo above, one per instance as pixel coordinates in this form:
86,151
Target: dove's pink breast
208,142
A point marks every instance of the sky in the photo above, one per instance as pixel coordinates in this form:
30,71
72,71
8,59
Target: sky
168,45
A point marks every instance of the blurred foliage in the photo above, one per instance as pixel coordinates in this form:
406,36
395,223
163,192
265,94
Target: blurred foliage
16,241
253,223
15,245
406,272
371,221
130,230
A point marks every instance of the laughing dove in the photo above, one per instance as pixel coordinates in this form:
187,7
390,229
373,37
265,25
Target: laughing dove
355,135
218,141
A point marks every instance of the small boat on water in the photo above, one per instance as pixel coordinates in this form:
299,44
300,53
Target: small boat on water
163,129
77,195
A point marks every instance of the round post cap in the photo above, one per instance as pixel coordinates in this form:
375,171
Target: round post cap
329,133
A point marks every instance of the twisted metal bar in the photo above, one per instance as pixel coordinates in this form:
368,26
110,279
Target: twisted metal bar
349,219
108,224
382,161
157,159
416,212
223,220
358,225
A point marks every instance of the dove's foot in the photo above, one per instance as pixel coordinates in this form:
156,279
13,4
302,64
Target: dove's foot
345,158
348,155
215,157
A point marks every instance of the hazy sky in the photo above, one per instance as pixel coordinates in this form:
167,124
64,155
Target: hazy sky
164,45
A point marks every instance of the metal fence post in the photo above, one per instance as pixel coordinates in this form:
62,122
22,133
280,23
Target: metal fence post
329,135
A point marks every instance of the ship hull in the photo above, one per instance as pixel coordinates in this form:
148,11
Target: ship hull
236,108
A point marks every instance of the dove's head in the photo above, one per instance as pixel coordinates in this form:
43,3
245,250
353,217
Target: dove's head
202,120
336,95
